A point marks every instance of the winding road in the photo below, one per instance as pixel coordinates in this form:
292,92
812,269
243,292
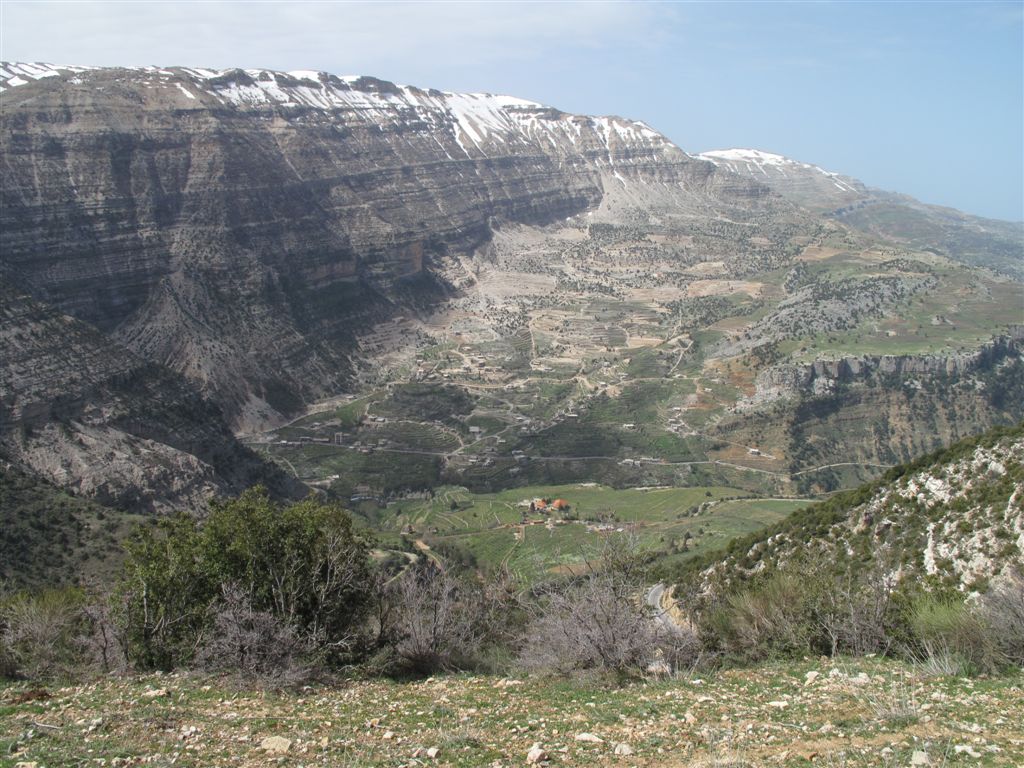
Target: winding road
653,598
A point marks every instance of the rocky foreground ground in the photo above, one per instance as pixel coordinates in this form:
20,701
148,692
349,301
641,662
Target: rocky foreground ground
821,712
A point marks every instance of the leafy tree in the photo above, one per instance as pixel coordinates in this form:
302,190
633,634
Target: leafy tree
301,563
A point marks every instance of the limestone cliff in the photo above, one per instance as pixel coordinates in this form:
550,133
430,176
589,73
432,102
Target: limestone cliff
92,417
238,226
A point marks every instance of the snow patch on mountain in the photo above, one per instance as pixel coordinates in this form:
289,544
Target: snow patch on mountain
768,164
475,121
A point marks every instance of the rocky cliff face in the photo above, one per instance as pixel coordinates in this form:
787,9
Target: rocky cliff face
90,416
237,226
823,376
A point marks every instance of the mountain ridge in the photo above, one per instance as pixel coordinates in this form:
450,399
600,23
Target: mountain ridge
971,239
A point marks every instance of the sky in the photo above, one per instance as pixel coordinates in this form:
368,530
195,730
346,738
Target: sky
925,98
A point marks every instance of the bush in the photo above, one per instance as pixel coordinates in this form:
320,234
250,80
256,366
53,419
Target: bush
301,563
438,620
59,634
594,624
598,623
952,636
775,617
256,646
1002,610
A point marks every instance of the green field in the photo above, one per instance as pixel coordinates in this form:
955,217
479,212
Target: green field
493,530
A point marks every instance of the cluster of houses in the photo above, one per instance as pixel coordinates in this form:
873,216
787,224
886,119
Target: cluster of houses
549,506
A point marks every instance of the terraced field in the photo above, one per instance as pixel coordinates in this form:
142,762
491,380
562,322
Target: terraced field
499,529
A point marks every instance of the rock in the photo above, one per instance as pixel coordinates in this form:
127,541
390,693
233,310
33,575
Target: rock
589,737
536,754
623,749
961,749
507,683
154,693
778,704
388,735
433,752
276,745
810,677
919,758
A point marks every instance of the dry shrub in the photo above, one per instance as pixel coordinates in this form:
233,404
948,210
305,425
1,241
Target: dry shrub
1002,611
60,634
439,620
599,624
855,613
255,646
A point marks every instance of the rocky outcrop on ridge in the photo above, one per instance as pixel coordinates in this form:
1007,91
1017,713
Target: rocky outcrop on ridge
821,376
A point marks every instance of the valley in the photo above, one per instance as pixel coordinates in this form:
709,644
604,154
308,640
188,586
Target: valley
388,296
351,422
586,352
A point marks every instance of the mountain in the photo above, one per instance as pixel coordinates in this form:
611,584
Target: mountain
383,289
207,219
998,245
955,516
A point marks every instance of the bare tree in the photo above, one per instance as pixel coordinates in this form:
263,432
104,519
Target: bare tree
599,622
256,646
439,619
855,611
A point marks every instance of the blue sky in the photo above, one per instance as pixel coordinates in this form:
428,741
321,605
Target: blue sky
925,98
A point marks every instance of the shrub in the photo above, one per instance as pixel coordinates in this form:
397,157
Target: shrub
438,619
1002,611
599,623
301,563
949,634
594,624
256,646
772,618
58,634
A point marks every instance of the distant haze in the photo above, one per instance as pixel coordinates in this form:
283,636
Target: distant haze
922,98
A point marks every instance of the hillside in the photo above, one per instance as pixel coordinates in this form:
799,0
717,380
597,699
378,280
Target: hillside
998,245
54,539
953,517
83,412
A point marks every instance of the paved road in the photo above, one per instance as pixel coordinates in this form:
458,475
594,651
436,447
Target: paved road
653,598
